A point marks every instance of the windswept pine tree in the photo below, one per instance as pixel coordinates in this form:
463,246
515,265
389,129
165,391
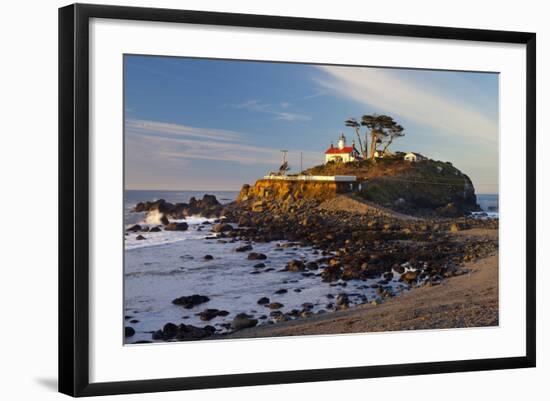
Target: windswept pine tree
382,129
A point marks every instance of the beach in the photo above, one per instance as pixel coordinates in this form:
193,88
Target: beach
470,300
233,270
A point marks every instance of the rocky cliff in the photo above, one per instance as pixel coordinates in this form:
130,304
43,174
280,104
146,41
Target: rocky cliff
425,188
279,190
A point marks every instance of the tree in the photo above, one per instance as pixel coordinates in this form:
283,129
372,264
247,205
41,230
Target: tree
352,122
381,128
394,132
377,124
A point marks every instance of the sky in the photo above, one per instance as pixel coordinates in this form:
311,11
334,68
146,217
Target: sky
205,124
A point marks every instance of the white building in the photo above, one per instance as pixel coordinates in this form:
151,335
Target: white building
379,154
414,157
342,153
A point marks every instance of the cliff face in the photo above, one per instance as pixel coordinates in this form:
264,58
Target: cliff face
427,187
273,190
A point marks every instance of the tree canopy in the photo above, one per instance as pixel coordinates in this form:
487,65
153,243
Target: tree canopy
382,129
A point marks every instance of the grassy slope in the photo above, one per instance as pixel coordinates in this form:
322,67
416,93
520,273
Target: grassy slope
427,184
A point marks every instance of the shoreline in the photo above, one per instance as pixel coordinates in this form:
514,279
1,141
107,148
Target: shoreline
365,255
469,300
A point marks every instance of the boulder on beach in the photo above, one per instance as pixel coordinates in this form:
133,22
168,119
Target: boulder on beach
183,332
222,227
243,321
208,206
295,266
190,301
256,256
176,226
342,299
410,276
134,228
129,331
244,248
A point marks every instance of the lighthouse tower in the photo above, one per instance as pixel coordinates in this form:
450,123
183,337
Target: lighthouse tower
341,141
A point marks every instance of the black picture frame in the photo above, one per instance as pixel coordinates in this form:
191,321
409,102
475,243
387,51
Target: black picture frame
74,198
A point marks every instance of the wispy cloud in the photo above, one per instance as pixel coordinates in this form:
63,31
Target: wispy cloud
385,91
178,130
172,143
259,106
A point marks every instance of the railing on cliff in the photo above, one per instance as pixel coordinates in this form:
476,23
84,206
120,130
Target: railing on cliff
333,178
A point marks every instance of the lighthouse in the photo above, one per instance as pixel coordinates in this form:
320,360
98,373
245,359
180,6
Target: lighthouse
341,141
342,153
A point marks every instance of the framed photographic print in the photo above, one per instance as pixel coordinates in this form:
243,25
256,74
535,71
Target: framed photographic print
278,199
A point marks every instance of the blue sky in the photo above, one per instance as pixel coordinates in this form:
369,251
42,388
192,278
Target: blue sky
197,124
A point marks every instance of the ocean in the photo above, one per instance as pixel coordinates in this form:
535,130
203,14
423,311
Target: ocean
170,264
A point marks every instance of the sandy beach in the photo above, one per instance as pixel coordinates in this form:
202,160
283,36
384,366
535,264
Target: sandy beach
469,300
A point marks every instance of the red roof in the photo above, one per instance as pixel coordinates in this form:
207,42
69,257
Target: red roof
332,151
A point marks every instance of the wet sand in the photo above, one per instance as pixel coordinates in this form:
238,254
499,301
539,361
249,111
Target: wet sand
469,300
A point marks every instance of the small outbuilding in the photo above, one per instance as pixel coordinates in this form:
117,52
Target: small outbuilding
414,157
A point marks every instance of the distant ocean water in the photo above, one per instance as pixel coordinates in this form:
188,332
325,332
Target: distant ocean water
488,202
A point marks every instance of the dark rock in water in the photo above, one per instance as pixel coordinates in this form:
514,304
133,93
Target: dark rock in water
207,201
176,226
342,299
263,301
259,265
134,228
140,237
208,314
281,291
275,305
307,305
169,330
331,273
388,275
295,266
244,248
312,266
398,268
256,256
134,321
155,229
208,257
190,301
183,332
164,220
222,227
129,331
243,321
